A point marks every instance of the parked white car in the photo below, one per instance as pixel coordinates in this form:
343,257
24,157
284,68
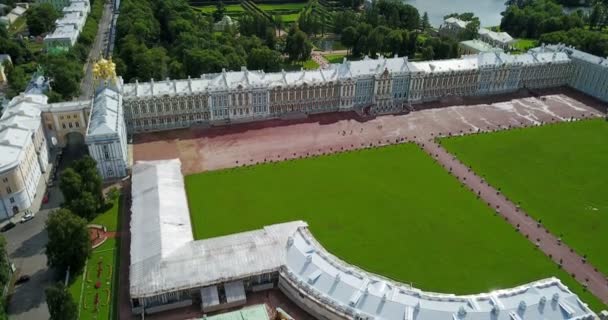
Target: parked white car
27,217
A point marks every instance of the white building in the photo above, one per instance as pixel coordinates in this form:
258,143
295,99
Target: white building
62,38
169,269
23,153
106,135
454,27
384,85
68,28
476,46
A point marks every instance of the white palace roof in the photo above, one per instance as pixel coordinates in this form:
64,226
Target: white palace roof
366,68
166,258
17,124
164,255
106,114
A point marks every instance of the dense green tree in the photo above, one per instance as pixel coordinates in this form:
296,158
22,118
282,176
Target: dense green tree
60,303
278,22
427,53
70,183
92,182
5,273
349,37
425,24
17,79
85,206
199,61
297,46
530,19
264,59
66,71
69,245
41,18
594,42
220,11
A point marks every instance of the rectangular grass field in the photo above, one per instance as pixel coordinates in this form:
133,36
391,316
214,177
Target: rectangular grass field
558,173
391,210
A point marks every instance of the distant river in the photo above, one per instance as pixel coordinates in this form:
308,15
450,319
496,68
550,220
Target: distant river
488,11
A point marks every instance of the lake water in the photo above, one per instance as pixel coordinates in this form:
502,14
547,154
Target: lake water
488,11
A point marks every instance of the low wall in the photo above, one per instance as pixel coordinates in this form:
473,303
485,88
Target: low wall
169,306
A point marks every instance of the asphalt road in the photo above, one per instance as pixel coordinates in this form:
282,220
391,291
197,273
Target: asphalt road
97,50
26,245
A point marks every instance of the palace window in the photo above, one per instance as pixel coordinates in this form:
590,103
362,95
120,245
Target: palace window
63,125
106,152
12,200
70,124
77,124
9,190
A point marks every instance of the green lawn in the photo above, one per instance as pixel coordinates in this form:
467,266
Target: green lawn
109,218
282,6
524,45
290,18
334,58
391,210
311,65
558,172
229,8
107,256
18,26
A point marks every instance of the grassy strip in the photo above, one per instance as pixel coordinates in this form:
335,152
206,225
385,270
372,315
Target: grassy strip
391,210
82,287
282,6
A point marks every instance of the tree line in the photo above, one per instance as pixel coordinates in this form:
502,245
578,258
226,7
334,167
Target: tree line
547,21
64,68
392,27
69,244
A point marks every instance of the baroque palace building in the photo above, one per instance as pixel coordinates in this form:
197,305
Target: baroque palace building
375,86
30,125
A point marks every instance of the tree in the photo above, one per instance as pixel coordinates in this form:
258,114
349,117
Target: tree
297,46
92,182
41,18
220,11
60,303
4,264
70,183
426,24
84,206
278,22
264,59
349,37
428,53
65,71
17,79
69,245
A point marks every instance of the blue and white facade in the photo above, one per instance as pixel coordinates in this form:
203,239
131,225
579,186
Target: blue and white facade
384,85
589,73
106,136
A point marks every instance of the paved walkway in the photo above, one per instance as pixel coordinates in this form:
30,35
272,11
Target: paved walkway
574,264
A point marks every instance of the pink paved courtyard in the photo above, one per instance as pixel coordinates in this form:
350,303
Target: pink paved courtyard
203,149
